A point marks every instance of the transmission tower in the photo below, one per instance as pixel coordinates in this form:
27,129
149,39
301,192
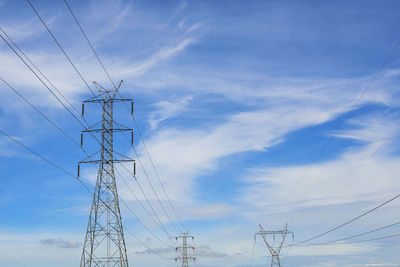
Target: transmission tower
105,243
274,250
184,249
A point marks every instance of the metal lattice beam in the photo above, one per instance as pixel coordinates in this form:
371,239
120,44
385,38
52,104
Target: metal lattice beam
105,242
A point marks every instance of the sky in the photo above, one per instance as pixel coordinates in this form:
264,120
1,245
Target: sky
253,112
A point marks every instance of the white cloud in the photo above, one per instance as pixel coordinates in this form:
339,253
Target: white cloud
334,250
162,54
168,109
360,174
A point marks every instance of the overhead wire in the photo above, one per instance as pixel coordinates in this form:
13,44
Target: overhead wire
38,111
61,48
349,221
59,45
396,134
40,79
72,175
151,184
90,44
49,89
351,237
355,242
69,137
155,218
347,116
44,159
153,162
156,172
38,70
111,80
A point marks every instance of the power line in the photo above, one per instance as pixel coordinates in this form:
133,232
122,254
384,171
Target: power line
88,41
149,203
37,68
60,101
45,159
62,131
152,186
107,73
51,91
354,242
350,221
143,244
38,111
351,237
359,166
40,79
70,174
347,116
156,172
59,45
141,204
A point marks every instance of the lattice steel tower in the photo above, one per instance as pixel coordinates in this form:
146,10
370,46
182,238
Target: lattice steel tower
184,249
274,250
105,243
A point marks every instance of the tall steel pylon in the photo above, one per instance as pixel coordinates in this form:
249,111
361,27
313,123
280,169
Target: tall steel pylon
105,243
274,250
184,249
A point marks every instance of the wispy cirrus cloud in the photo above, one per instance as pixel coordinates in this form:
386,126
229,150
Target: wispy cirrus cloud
168,109
60,243
162,54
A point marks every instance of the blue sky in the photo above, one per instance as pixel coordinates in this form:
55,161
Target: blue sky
235,100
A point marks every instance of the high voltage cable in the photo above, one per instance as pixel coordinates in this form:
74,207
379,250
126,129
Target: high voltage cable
317,156
148,201
58,44
45,159
144,244
350,221
45,77
72,175
156,172
347,116
34,65
62,131
351,237
151,185
157,220
59,100
359,166
107,73
360,241
143,224
345,243
38,111
90,44
40,79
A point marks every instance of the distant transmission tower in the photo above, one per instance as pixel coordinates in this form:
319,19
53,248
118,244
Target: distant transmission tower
274,250
184,249
105,243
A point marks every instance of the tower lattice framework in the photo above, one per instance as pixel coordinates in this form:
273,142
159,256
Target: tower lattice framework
105,242
274,250
185,258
